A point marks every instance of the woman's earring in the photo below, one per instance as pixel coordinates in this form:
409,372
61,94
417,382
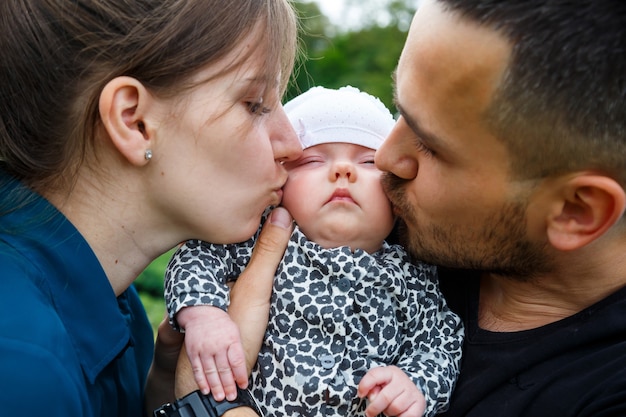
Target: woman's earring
148,154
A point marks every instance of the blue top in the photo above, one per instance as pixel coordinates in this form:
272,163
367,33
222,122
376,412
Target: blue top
68,346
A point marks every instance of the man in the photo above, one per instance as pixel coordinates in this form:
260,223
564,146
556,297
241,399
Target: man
509,160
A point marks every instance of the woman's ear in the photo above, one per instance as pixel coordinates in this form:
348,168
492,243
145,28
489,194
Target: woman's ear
123,105
588,206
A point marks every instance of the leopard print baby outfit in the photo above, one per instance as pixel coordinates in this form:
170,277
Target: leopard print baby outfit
334,315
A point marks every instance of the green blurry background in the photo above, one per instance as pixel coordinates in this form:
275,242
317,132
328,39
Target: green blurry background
361,49
150,288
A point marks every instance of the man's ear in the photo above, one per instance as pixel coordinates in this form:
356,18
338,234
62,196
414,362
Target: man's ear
588,206
123,104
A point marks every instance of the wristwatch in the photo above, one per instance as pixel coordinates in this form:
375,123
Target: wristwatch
197,404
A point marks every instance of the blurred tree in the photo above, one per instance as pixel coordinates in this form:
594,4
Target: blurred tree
365,57
149,284
402,12
381,12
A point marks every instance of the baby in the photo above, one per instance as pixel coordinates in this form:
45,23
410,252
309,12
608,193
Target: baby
351,316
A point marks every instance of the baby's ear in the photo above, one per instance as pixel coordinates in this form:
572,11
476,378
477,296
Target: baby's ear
588,206
123,105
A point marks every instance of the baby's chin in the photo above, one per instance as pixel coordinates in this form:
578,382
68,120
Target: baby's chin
337,228
354,242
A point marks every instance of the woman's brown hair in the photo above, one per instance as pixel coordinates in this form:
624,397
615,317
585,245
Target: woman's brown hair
57,55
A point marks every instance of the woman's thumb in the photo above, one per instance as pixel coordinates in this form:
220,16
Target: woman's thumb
272,242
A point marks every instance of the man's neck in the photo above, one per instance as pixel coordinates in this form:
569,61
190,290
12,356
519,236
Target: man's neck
509,305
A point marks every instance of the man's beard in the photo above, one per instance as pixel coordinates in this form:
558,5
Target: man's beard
499,246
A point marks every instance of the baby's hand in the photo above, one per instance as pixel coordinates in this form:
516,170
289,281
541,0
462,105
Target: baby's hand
390,391
214,348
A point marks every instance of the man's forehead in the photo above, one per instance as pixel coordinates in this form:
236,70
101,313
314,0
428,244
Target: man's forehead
453,55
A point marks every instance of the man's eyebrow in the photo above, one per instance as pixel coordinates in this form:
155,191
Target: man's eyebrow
430,139
427,137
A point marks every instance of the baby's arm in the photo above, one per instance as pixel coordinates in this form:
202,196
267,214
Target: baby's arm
391,391
197,295
432,338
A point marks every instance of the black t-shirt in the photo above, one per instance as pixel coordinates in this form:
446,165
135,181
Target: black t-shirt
574,367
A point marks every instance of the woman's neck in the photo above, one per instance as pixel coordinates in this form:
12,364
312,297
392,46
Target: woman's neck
116,226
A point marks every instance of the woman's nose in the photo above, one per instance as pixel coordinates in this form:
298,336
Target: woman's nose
285,142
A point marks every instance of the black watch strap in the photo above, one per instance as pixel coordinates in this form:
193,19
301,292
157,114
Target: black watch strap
197,404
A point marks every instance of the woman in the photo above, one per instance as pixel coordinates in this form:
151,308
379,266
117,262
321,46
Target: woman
125,128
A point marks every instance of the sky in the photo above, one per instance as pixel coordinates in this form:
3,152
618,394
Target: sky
331,8
336,10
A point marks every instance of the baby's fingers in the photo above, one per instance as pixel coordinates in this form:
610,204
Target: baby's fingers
237,360
397,400
200,374
232,371
227,388
213,370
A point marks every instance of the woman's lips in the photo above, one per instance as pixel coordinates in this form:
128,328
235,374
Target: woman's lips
279,193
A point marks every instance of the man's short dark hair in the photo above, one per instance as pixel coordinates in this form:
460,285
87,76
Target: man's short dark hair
561,105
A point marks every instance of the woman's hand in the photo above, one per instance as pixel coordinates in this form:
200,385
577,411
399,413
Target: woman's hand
250,296
161,378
